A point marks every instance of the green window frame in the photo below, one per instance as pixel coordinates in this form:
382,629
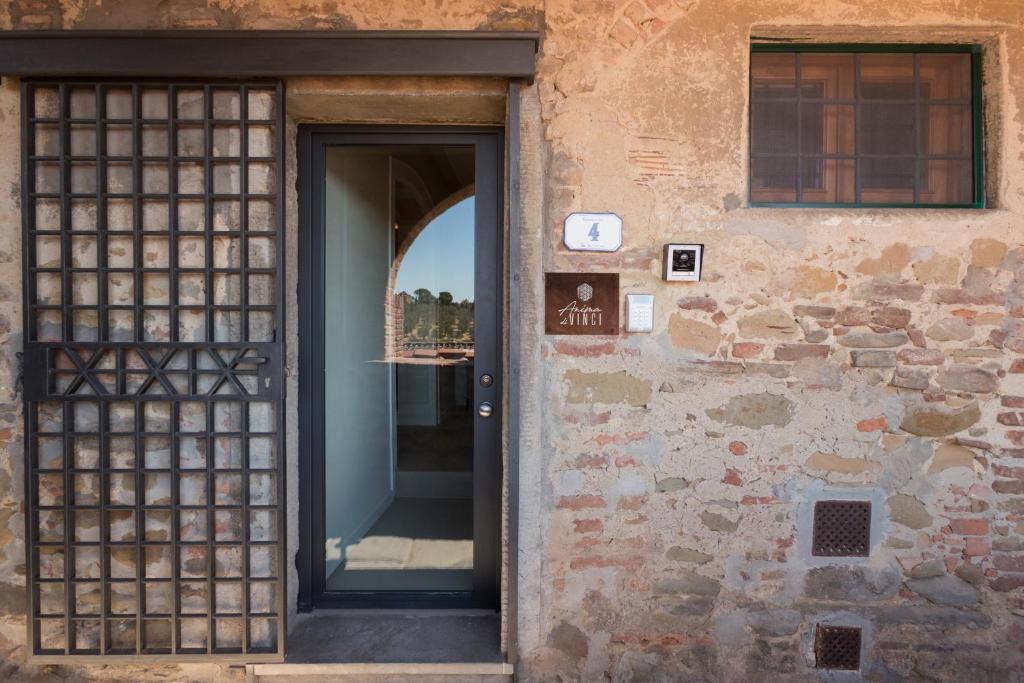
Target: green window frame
854,161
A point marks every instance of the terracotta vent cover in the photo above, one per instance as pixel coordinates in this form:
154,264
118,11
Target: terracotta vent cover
842,528
837,647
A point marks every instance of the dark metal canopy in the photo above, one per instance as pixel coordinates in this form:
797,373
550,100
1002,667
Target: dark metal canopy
271,54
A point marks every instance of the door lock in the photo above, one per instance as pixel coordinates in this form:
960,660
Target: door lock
486,380
485,409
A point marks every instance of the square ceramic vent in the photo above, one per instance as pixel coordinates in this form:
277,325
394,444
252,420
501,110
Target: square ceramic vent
842,528
837,647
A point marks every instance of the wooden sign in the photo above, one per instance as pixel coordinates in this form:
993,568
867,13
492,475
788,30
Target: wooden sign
581,303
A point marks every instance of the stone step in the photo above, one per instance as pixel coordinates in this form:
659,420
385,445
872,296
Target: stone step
380,673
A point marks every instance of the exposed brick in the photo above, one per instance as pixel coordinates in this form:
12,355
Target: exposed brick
737,448
586,526
976,547
1010,487
1008,545
585,350
921,356
1009,419
800,351
969,527
623,34
581,502
873,358
1012,401
601,561
732,478
746,349
1017,366
1009,472
590,462
1015,436
917,338
698,303
1008,563
1007,583
631,502
874,424
973,443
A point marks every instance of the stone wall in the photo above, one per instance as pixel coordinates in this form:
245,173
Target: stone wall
869,354
668,478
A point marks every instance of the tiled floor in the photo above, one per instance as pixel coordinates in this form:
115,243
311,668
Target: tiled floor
417,544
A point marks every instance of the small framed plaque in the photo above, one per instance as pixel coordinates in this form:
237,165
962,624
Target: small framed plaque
592,232
581,303
683,262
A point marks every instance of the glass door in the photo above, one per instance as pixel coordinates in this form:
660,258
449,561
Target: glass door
410,457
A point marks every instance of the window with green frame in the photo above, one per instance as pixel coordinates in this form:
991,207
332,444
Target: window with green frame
879,125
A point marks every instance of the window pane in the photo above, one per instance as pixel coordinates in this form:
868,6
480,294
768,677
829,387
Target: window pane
869,128
946,129
826,129
887,128
829,76
773,75
887,181
774,180
827,181
887,77
946,182
773,127
945,76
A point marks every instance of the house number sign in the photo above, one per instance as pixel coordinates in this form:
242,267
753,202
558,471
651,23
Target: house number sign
592,232
581,303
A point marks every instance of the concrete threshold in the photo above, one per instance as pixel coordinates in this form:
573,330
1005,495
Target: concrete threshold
381,669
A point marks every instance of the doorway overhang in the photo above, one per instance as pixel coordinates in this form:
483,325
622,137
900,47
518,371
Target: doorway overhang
268,54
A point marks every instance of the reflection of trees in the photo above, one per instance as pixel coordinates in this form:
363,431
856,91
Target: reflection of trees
439,319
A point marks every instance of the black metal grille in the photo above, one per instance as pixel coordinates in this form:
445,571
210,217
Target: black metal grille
842,528
153,225
837,647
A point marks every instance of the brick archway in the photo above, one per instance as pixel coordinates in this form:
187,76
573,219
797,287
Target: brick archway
393,316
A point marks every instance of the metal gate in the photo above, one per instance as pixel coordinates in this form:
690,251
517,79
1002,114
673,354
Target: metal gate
152,371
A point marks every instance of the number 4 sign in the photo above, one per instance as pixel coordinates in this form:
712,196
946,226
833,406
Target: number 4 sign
593,232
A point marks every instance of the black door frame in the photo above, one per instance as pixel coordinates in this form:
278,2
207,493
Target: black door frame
488,144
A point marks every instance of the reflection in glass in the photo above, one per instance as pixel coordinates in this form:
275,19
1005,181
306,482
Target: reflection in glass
399,341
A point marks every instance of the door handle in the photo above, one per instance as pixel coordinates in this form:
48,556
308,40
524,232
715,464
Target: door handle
485,409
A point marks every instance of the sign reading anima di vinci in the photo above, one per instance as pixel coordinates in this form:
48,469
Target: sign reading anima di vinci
581,303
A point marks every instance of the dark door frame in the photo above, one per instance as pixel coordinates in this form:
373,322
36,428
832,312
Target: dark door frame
488,143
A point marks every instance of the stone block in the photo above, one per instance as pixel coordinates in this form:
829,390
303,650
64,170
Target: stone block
971,378
873,358
873,340
791,352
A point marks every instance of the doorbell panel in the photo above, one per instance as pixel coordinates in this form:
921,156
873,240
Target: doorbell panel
683,262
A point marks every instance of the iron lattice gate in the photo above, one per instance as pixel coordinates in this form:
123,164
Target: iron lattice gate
153,280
